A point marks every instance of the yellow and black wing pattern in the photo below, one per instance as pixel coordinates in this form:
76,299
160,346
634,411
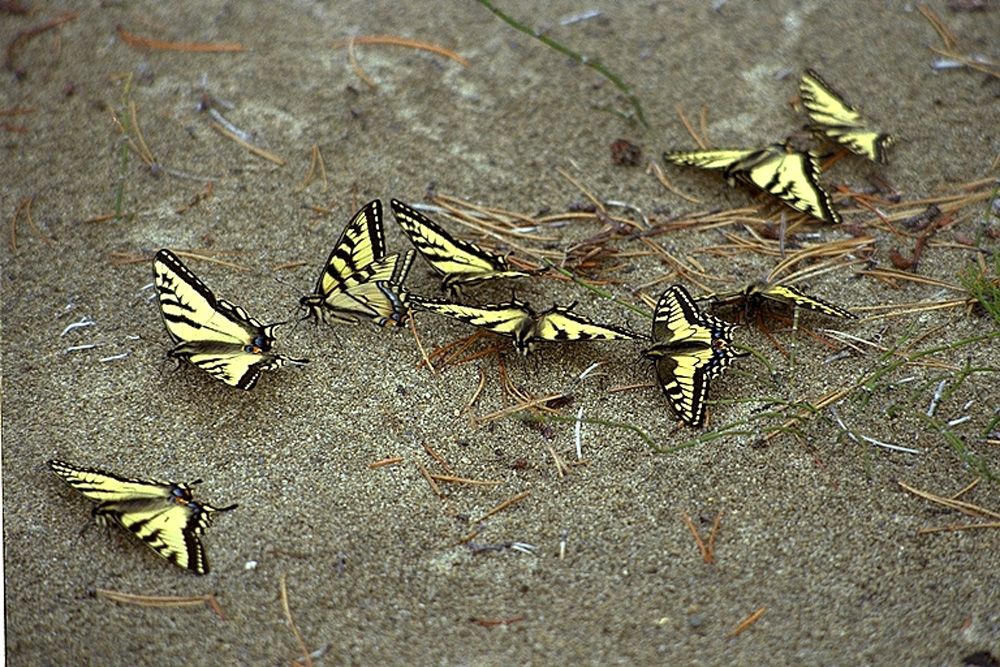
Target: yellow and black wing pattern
211,333
690,348
459,262
161,514
791,176
359,281
517,320
834,117
754,293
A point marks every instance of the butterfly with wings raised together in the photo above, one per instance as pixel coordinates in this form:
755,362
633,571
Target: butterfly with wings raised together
834,117
359,281
211,333
690,348
458,262
163,515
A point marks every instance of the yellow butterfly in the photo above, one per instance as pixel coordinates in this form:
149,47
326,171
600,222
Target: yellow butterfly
212,334
690,348
515,319
359,280
792,177
458,262
755,293
837,119
163,515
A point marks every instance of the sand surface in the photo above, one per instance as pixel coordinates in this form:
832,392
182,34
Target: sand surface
815,529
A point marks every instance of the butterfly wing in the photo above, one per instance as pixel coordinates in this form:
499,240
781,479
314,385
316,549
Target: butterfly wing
360,244
163,515
561,323
211,333
794,179
834,117
793,295
513,319
458,261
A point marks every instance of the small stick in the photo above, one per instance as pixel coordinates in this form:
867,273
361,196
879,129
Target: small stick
957,527
420,345
434,455
385,462
504,505
160,601
33,32
662,178
963,507
427,476
291,622
462,480
246,144
489,623
402,41
747,623
968,487
357,66
475,394
713,534
705,554
139,43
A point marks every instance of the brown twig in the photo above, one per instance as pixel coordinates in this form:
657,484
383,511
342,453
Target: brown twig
463,480
25,35
434,455
504,505
139,43
357,66
162,601
427,476
385,462
402,41
747,623
493,622
246,144
291,623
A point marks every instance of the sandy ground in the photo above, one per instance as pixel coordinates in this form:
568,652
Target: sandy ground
815,530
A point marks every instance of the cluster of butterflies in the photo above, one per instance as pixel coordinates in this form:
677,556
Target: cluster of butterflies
791,175
360,281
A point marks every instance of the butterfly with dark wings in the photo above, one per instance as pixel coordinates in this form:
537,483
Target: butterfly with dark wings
359,281
754,294
211,333
834,117
458,262
515,319
690,348
163,515
791,176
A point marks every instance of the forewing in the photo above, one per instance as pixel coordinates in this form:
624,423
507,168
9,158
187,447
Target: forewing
561,323
105,487
504,318
679,320
789,294
834,117
794,178
361,243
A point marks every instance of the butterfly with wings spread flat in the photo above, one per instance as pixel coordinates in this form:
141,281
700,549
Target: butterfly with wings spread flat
690,348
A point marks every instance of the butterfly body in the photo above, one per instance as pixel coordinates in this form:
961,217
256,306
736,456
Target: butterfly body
516,319
164,515
791,176
359,281
458,262
834,117
690,348
212,334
